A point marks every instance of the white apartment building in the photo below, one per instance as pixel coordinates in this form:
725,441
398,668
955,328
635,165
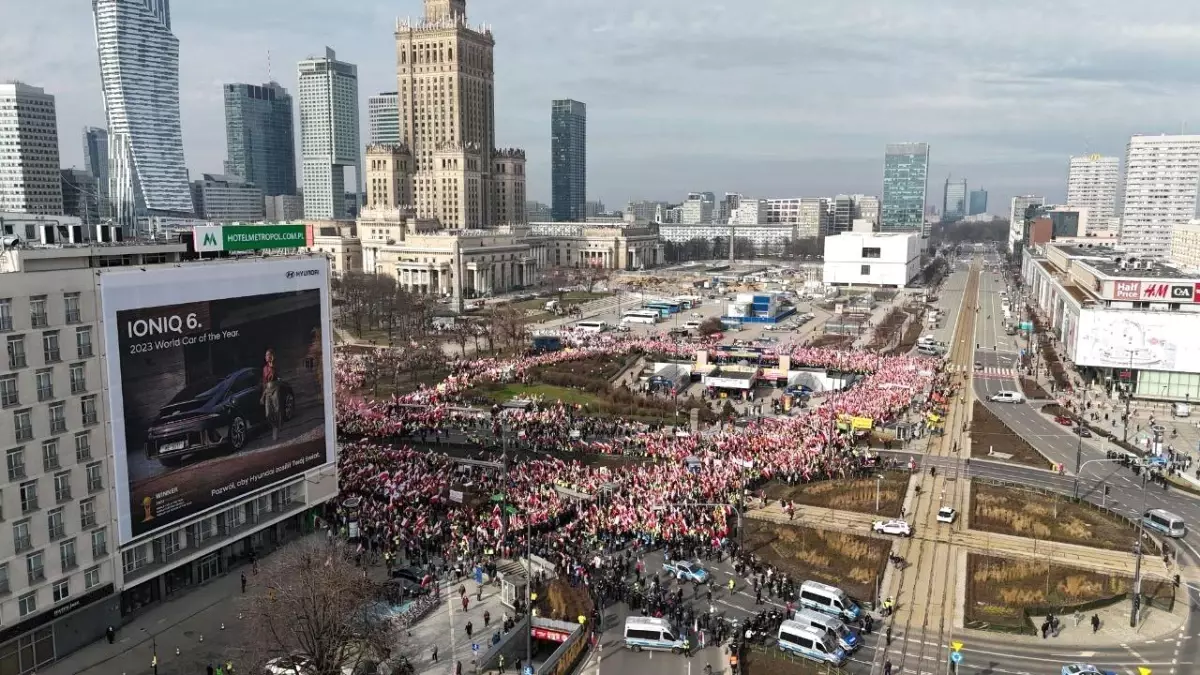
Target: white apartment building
1092,182
764,237
329,138
383,119
1162,180
1016,217
64,575
697,208
227,199
1185,246
750,212
809,214
30,180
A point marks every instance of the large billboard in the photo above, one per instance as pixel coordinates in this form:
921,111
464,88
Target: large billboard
220,383
210,238
1138,340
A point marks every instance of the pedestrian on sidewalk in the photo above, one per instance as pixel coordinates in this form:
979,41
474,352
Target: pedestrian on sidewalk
502,664
110,634
487,618
887,668
465,601
888,635
469,628
243,582
458,668
435,653
209,670
1095,623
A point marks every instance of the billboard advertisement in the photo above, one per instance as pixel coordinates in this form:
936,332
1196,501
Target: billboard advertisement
220,383
1137,340
210,238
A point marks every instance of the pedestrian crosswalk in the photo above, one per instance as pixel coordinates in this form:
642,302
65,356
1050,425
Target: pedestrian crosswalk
995,371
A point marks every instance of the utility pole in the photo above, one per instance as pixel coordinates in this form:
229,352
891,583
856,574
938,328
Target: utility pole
1137,558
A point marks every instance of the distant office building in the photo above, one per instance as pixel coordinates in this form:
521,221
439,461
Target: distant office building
383,119
30,178
568,160
593,208
259,136
954,202
668,214
905,183
978,203
329,139
727,207
227,199
1162,176
642,210
698,208
95,162
1092,182
1069,221
1185,246
841,214
537,212
866,207
811,215
148,176
1017,218
750,212
283,208
81,195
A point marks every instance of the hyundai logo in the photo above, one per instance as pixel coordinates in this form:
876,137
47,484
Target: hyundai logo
302,273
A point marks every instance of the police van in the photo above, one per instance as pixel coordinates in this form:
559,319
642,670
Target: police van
1165,522
829,600
811,643
647,632
846,638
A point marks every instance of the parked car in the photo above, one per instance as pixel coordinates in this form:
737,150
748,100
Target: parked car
1064,420
1084,431
896,527
213,413
947,514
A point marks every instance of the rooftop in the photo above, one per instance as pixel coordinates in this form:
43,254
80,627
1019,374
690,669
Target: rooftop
1110,262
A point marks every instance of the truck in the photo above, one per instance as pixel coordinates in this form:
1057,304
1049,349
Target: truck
686,570
546,343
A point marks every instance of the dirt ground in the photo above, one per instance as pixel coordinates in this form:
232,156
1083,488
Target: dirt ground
911,335
771,661
847,495
564,602
1033,390
850,561
832,341
989,433
1049,517
883,332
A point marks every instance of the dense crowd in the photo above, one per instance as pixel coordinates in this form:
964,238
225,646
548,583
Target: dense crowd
407,504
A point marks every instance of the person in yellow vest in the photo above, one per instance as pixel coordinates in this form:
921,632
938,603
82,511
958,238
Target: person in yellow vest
582,619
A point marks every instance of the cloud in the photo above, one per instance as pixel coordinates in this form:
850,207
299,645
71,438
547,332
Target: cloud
772,98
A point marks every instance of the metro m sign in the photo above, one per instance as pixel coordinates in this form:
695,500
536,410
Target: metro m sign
1127,290
1156,291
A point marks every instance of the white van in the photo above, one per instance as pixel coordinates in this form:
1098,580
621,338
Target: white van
1181,410
846,638
1007,397
926,340
929,349
811,643
1165,522
828,600
591,326
647,632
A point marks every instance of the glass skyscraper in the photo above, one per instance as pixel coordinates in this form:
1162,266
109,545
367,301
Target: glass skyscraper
905,179
954,203
568,161
259,137
139,73
978,202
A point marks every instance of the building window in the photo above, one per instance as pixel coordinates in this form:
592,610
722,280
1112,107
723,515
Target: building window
91,578
6,320
16,463
100,546
66,555
16,352
133,559
55,525
9,395
62,487
87,512
871,252
4,589
37,312
27,604
78,378
865,270
83,342
22,540
83,446
50,455
95,481
35,567
87,406
62,590
29,499
23,425
50,347
71,307
58,418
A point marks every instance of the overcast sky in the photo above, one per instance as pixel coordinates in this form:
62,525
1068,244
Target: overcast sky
774,98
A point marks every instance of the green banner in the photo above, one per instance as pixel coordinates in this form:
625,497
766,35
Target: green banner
250,237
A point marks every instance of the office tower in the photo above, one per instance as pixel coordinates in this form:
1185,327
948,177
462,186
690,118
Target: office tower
81,195
283,208
1017,218
698,208
537,212
147,175
1162,174
905,180
445,81
593,208
954,202
727,207
568,160
227,199
259,137
978,202
841,214
1092,182
328,134
30,178
383,119
95,162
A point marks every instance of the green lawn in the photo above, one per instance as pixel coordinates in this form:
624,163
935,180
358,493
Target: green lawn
547,392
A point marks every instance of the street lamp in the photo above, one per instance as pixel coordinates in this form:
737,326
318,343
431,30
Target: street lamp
1079,470
1137,554
153,651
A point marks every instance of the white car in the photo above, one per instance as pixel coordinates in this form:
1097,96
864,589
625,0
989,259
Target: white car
947,514
897,527
289,665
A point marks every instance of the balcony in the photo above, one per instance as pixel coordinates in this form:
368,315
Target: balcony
73,315
89,417
87,520
39,319
57,531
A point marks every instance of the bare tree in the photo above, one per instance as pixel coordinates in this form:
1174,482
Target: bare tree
313,602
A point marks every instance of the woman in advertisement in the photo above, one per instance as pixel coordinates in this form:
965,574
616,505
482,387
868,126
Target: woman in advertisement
270,394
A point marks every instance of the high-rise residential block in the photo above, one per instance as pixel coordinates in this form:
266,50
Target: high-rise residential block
698,208
445,78
95,162
508,187
1162,180
954,201
81,196
329,137
147,174
30,179
1017,219
978,203
260,138
905,183
227,199
1092,182
568,160
383,119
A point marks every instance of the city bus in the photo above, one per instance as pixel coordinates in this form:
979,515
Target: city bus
1165,522
640,316
663,307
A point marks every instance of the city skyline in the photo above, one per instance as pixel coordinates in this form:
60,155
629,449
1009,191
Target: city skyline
1016,150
